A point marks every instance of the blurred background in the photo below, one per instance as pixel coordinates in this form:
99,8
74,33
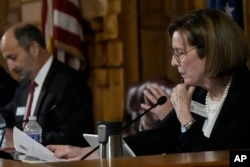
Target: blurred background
115,43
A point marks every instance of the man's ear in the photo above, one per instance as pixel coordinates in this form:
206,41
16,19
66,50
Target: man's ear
34,49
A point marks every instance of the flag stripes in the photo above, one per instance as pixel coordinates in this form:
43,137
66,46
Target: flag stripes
61,21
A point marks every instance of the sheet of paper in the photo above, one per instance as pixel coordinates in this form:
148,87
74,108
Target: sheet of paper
25,144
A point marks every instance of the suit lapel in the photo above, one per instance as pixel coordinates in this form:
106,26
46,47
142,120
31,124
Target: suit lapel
43,92
39,101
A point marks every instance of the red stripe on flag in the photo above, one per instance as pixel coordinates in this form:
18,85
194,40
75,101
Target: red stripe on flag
67,37
67,7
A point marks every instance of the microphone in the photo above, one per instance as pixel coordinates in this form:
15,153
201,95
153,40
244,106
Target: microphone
160,101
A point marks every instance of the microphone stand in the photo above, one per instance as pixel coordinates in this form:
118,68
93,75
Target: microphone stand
139,116
89,153
160,101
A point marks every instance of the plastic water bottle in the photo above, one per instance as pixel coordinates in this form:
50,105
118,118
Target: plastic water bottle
2,132
33,129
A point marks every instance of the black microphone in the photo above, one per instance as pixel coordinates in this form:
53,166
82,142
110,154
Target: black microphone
160,101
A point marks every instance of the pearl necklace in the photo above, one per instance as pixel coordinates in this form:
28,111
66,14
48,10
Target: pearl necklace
209,102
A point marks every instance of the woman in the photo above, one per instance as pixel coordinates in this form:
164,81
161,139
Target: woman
210,52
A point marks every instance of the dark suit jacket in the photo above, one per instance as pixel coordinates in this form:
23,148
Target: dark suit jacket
63,109
231,129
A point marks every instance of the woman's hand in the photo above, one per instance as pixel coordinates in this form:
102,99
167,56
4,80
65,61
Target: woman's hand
71,152
181,99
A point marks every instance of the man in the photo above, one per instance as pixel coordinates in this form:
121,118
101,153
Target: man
62,98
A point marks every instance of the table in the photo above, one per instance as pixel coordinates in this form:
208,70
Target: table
201,159
11,163
204,159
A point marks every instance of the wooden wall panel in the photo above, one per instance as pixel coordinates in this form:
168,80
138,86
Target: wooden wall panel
107,85
10,14
99,86
128,34
3,24
154,44
105,52
96,54
114,54
116,97
154,58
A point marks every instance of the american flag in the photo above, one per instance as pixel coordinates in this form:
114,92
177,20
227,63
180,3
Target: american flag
61,24
232,7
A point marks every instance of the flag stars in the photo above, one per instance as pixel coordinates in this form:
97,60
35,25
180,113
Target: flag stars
229,10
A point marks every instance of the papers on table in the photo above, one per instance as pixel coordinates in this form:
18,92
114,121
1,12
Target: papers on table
25,144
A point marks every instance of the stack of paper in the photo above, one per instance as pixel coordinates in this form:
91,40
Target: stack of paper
26,145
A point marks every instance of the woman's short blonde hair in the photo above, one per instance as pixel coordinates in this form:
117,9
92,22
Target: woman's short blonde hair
217,37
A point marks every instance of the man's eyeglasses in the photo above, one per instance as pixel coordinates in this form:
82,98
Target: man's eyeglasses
179,55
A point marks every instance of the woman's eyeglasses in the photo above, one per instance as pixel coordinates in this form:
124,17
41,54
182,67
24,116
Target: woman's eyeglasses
179,55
